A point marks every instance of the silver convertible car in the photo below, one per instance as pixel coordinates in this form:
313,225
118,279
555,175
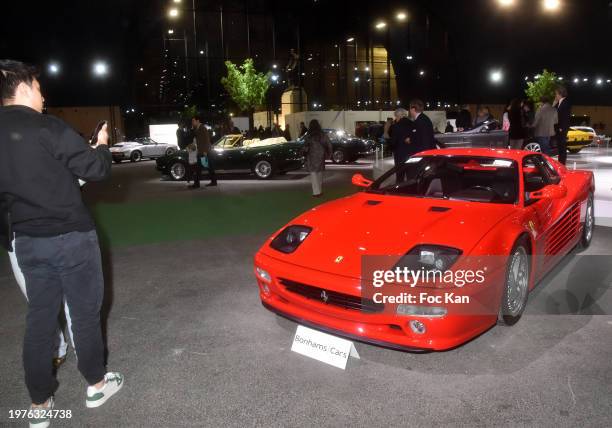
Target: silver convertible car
141,148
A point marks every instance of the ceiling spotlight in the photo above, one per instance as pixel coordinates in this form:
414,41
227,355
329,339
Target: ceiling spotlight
173,13
170,31
551,5
599,81
54,68
585,80
506,3
201,52
576,80
422,73
274,77
496,76
401,16
357,79
380,25
350,39
409,57
100,68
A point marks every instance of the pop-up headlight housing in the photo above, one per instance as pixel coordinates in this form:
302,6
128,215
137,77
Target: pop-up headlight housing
430,257
290,238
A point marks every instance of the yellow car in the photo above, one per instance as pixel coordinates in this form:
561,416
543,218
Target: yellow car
577,140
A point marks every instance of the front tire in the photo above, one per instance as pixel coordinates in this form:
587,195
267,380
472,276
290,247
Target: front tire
178,171
516,288
263,169
589,224
170,151
136,156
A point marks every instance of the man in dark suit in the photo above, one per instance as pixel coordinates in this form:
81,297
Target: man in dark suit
423,134
202,140
564,110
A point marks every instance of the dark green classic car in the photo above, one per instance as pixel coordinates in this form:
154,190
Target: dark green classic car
264,158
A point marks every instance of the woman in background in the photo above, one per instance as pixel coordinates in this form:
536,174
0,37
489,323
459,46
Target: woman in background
317,148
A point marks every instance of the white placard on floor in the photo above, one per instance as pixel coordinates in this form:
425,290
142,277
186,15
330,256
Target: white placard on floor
323,347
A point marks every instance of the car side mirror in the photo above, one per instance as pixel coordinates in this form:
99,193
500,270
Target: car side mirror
360,181
552,191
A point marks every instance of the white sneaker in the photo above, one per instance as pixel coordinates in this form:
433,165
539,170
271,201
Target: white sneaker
40,415
112,384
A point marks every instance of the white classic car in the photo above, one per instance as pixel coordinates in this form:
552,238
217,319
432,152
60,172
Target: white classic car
139,149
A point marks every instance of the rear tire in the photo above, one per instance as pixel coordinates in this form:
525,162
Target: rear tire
589,224
516,287
338,156
533,147
136,156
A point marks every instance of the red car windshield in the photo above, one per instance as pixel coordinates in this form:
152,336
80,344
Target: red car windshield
461,178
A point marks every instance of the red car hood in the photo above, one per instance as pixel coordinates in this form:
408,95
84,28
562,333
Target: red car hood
370,224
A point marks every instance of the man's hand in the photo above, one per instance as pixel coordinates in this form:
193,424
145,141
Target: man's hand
103,136
407,141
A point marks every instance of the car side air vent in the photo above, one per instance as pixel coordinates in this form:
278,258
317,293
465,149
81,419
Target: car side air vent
439,209
371,202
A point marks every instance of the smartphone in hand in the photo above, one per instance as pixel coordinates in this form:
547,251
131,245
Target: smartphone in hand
94,137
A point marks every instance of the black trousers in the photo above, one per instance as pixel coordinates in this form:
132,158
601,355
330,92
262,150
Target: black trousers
400,159
67,265
198,171
562,148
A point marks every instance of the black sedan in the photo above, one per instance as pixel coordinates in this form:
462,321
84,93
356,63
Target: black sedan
264,158
348,148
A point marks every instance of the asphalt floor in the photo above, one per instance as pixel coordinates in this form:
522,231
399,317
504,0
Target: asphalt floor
185,325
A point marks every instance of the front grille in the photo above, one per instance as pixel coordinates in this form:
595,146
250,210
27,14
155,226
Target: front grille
345,301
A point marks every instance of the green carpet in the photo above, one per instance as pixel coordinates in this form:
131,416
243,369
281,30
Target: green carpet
149,222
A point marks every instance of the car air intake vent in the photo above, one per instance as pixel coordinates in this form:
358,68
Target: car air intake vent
373,202
345,301
439,209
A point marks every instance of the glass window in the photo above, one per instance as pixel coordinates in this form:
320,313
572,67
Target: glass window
461,178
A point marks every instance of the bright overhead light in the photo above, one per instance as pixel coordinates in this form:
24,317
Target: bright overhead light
422,73
201,52
350,39
177,1
401,16
551,5
380,25
576,80
173,13
386,71
274,77
100,68
496,76
357,79
367,69
54,68
170,31
409,57
585,79
599,81
506,3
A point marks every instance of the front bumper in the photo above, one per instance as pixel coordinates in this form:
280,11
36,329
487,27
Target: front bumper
382,329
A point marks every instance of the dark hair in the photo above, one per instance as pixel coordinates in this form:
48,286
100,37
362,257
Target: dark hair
197,117
314,128
418,105
515,104
562,90
12,73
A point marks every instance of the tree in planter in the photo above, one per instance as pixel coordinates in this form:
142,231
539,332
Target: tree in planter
246,87
545,85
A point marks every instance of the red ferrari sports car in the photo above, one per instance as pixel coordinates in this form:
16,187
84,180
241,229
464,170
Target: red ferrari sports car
511,215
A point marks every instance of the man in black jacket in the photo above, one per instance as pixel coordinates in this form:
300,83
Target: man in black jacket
41,162
401,132
423,134
564,111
